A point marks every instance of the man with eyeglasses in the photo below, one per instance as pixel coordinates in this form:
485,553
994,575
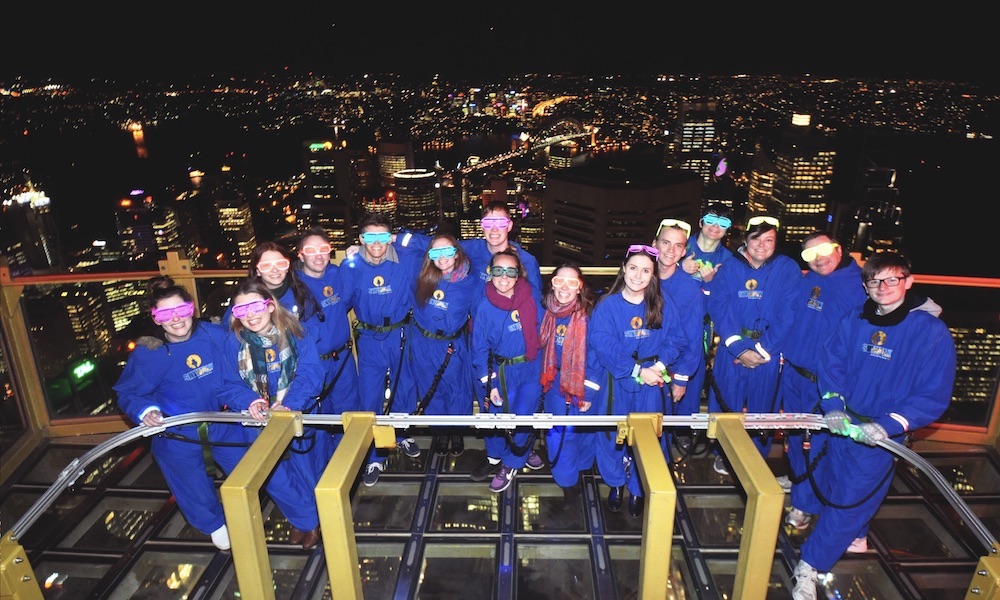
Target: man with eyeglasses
750,304
887,370
332,331
378,284
688,373
827,293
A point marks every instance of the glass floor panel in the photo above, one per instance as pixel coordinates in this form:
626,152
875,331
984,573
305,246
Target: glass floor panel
163,574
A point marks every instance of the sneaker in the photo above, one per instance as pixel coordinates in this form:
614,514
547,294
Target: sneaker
485,470
220,537
372,473
720,466
409,447
457,445
798,519
503,479
858,546
441,445
535,462
805,582
785,483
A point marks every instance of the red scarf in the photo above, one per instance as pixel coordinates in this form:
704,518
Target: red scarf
524,303
573,370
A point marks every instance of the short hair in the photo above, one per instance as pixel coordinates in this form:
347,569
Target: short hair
374,219
718,209
818,234
495,205
315,230
881,261
163,286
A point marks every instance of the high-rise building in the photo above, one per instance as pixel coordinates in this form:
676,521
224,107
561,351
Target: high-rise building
803,175
134,220
874,219
29,237
325,206
417,204
237,226
393,157
761,187
85,307
696,138
125,301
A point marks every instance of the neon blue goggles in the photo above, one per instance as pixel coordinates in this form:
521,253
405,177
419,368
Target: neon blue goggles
442,252
723,222
382,237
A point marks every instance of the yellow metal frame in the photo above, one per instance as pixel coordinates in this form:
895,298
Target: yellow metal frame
17,580
985,583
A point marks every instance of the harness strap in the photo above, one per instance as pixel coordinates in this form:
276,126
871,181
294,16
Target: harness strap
206,449
440,335
803,371
753,334
335,354
384,328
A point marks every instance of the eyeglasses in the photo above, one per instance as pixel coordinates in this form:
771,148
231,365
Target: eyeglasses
269,265
637,248
442,252
314,250
674,223
754,221
570,282
181,311
722,222
488,223
241,311
511,272
888,281
824,249
381,237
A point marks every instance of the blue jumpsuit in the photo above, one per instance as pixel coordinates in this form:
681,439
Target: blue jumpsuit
896,372
685,293
752,309
176,379
571,451
718,256
439,327
293,482
619,340
382,297
820,304
497,333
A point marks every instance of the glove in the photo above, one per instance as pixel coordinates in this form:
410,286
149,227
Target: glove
149,342
838,422
871,433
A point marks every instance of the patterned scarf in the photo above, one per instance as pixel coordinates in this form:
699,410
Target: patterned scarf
573,370
457,274
252,360
524,303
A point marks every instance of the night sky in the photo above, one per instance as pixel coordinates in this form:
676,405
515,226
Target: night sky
177,39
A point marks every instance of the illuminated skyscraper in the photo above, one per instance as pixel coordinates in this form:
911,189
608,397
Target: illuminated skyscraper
875,220
417,203
803,176
134,219
696,138
393,157
28,233
325,206
237,227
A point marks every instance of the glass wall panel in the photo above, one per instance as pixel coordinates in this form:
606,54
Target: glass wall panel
12,422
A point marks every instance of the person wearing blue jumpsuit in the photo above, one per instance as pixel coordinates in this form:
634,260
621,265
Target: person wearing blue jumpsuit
437,349
885,374
506,363
750,303
686,295
332,330
634,335
378,283
827,293
175,375
291,371
563,335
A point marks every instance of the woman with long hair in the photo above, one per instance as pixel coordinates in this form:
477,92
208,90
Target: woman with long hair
566,309
176,373
634,334
270,364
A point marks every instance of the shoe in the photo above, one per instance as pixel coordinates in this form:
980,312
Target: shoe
310,539
858,546
615,498
220,537
409,447
805,582
571,496
635,506
503,479
785,483
457,445
683,442
441,446
720,466
535,462
484,471
798,519
295,537
372,473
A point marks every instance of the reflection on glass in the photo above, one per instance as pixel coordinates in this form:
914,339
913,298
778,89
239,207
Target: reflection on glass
543,508
717,518
145,474
166,575
388,506
113,523
286,571
379,565
460,507
550,572
57,458
939,584
17,503
465,571
862,578
973,473
11,421
911,532
68,580
625,568
723,572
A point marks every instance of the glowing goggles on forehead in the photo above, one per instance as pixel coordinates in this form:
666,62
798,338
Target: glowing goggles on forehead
181,311
314,250
510,272
824,249
381,237
570,282
268,265
674,223
723,222
488,223
754,221
442,252
240,311
639,248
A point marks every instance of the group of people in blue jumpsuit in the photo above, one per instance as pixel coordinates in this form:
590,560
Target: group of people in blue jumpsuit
444,323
